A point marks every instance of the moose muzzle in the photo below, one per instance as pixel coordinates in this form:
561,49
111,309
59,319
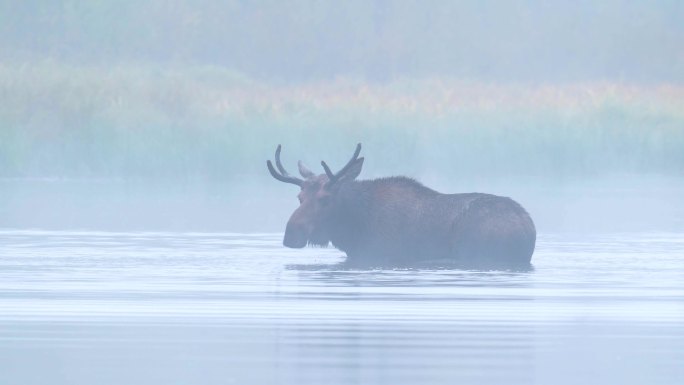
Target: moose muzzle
296,236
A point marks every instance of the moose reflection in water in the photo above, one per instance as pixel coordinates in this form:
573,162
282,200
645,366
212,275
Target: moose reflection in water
397,221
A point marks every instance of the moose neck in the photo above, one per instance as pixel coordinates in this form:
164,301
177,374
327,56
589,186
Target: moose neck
349,222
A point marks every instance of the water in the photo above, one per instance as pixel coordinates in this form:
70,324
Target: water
220,308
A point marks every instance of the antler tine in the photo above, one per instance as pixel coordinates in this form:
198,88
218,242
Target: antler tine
283,176
329,173
351,161
334,177
278,163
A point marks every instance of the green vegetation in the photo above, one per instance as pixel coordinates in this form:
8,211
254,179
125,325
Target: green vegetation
131,121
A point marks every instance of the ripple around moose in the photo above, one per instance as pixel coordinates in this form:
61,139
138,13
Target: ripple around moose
396,221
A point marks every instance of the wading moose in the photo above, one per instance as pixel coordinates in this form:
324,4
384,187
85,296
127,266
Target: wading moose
397,221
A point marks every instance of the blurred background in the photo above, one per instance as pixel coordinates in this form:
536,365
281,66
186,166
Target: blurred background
159,115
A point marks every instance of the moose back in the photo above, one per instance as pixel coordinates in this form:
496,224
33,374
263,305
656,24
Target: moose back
397,221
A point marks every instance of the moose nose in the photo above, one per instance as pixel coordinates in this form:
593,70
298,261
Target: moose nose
295,236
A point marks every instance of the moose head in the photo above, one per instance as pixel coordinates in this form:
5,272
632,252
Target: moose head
319,200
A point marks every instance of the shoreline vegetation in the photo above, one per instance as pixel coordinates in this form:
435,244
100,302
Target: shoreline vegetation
144,121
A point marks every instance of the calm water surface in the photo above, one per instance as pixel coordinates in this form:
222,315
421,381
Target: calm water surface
221,308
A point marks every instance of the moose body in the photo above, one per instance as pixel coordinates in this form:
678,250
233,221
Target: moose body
397,221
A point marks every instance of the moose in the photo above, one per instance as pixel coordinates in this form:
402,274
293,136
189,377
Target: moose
396,221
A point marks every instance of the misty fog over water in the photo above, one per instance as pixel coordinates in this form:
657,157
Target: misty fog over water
621,204
295,41
141,233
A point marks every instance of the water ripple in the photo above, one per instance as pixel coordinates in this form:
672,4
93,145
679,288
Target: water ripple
240,308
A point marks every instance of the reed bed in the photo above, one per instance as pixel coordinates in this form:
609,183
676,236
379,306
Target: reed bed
144,121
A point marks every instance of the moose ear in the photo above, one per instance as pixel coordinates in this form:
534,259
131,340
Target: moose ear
353,171
304,171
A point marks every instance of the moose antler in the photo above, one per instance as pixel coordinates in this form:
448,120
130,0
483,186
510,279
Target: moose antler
335,177
283,176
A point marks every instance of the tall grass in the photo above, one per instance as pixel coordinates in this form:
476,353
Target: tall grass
59,120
